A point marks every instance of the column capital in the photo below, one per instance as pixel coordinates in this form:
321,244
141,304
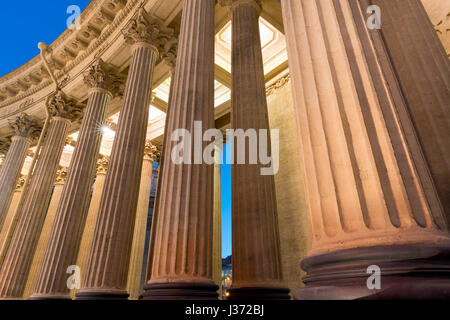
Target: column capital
146,29
24,126
151,152
61,106
236,3
102,164
170,53
61,175
20,182
4,145
101,75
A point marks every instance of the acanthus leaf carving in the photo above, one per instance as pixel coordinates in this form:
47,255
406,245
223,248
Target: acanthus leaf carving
101,75
144,28
24,126
170,53
61,106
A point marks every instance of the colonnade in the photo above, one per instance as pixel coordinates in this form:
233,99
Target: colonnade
372,198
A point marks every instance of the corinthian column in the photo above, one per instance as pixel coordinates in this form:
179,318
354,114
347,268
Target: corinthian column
256,250
182,249
110,252
134,283
415,49
45,234
65,238
370,197
19,254
88,232
170,58
24,128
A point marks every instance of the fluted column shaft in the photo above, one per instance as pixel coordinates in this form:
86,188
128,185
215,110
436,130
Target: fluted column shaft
415,49
134,284
19,254
109,258
12,210
45,234
369,193
66,232
89,228
10,171
256,256
182,257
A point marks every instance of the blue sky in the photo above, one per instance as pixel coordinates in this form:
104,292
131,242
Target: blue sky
27,22
225,176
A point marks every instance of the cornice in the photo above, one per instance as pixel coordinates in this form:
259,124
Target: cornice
34,69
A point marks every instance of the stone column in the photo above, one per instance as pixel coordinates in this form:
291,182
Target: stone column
19,254
370,197
109,258
182,257
134,283
72,210
12,210
256,250
88,232
170,58
24,129
45,234
217,222
423,72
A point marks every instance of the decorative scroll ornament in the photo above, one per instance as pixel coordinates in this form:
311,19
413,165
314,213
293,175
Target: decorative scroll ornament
101,75
102,164
151,152
61,175
144,28
24,126
61,106
170,53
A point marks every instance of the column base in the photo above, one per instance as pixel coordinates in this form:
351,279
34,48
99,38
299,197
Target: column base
180,291
259,293
101,295
49,297
406,272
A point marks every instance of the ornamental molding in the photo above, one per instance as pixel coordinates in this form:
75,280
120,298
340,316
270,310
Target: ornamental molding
278,85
